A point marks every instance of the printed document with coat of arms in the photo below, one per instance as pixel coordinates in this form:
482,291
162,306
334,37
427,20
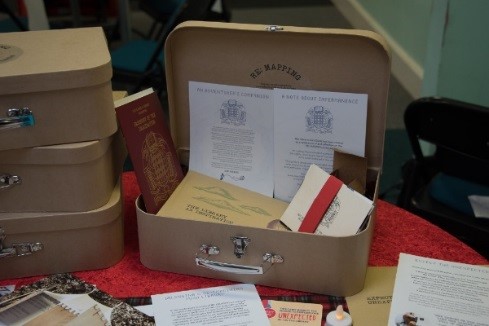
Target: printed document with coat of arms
231,134
308,126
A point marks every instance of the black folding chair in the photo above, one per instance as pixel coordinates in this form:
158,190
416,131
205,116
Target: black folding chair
436,186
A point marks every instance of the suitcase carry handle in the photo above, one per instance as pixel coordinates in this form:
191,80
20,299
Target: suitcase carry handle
228,268
17,118
268,259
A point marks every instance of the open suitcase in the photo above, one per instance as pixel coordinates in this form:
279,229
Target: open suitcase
335,60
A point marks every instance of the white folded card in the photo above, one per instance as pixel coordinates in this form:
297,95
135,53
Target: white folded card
324,205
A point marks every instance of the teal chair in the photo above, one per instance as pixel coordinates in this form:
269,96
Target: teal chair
139,62
12,23
160,12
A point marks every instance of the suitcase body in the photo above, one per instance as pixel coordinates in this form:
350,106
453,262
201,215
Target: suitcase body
349,61
55,88
60,178
48,243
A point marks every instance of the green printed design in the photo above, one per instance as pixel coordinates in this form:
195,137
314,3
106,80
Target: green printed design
255,209
217,191
224,204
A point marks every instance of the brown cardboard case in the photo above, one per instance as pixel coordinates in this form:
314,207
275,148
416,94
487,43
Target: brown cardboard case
236,54
48,243
64,78
60,178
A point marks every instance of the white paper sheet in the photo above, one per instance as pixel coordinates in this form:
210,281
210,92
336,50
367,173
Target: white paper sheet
436,292
225,305
231,134
308,125
480,205
6,289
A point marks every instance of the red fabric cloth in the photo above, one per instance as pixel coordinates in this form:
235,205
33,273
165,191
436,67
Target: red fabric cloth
395,231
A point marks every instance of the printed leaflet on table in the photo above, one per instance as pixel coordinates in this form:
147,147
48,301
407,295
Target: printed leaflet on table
225,305
371,305
63,299
435,292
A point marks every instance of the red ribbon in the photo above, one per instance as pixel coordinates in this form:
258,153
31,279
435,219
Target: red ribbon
320,205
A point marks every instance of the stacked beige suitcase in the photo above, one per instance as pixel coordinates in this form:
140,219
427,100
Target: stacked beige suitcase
60,191
327,60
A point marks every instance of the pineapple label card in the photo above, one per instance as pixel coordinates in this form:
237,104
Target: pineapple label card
308,126
231,134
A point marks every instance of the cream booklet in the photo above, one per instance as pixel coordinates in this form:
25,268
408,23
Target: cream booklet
324,205
199,197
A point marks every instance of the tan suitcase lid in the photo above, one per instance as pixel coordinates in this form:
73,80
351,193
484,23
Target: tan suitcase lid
336,60
68,178
58,84
58,59
63,154
27,223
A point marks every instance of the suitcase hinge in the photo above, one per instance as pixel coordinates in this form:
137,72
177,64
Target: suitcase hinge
274,28
17,118
18,249
8,181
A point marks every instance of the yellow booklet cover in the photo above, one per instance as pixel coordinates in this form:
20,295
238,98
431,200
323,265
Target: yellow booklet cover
203,198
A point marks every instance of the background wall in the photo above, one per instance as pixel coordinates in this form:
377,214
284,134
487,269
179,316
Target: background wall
439,47
460,38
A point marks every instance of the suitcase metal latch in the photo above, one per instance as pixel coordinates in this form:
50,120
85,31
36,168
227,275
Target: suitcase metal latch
240,244
18,249
17,118
274,28
8,181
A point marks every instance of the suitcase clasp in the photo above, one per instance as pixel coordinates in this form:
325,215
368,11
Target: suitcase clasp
17,118
8,181
240,244
18,249
274,28
209,250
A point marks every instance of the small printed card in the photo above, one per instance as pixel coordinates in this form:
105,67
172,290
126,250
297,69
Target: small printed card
224,305
324,205
293,313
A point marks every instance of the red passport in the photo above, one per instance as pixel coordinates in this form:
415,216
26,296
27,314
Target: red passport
150,147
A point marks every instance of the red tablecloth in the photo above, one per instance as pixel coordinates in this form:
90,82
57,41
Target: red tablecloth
396,231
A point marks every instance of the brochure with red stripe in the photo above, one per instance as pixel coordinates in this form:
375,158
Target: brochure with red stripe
325,205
